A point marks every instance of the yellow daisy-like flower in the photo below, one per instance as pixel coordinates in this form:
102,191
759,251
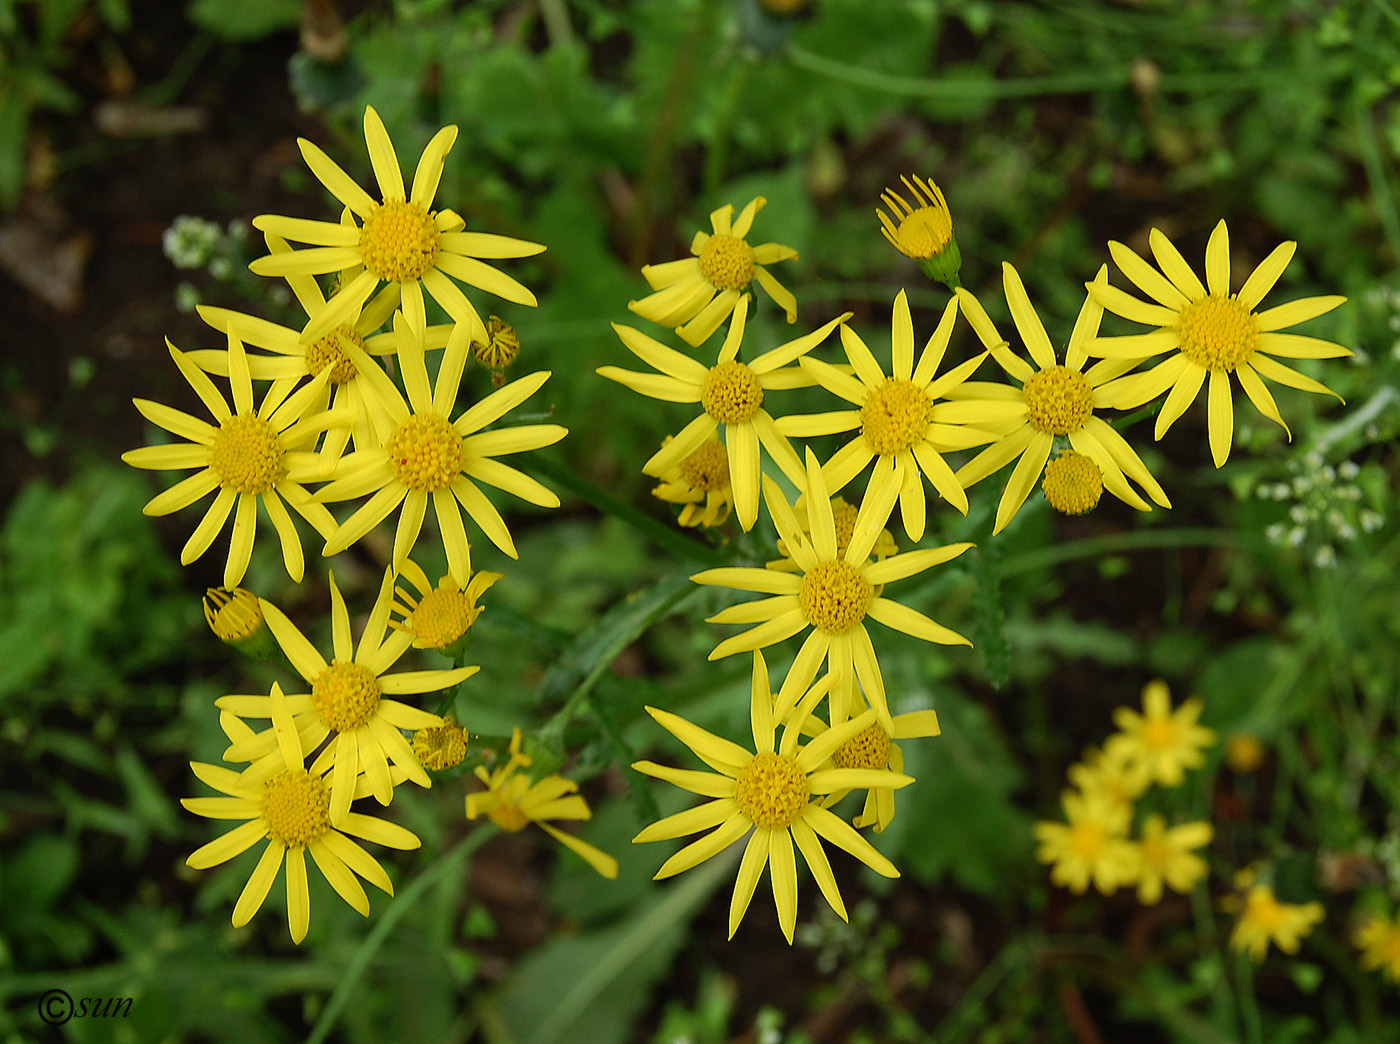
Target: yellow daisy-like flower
1054,401
699,482
1165,857
833,596
874,748
1378,939
696,294
443,614
731,393
247,455
290,808
900,423
1163,741
512,802
844,515
1212,332
429,457
346,703
1113,775
767,794
399,240
1089,846
1264,919
923,230
441,747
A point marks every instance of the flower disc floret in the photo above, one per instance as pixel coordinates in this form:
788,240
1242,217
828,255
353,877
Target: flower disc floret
1058,400
726,262
399,241
895,416
772,790
707,468
425,452
867,749
296,807
731,393
345,695
246,455
834,596
328,350
1073,483
1217,332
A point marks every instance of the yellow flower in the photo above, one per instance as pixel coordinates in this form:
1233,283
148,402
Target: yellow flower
1213,332
398,240
696,294
247,455
700,482
1112,775
512,802
843,515
833,596
346,702
923,231
441,747
1088,847
429,457
1264,919
1166,856
1053,401
730,393
445,613
1378,939
1243,753
767,794
290,808
1073,483
901,425
233,616
874,748
1164,741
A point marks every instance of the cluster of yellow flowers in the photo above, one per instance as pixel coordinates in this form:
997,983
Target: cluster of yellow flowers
329,387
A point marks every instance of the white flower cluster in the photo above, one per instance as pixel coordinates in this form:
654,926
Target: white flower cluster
1326,507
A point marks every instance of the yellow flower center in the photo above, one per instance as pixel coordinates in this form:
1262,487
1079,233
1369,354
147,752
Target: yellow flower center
1264,910
246,455
501,346
1159,733
867,749
731,393
425,452
772,790
1087,840
1058,400
232,615
506,812
399,241
443,616
726,262
345,696
1217,333
296,807
924,233
834,596
707,468
440,747
1156,853
895,416
1073,483
329,351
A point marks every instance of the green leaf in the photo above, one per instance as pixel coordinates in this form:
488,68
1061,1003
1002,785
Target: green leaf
244,19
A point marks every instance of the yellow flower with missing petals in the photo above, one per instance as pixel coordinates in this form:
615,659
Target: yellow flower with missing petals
247,455
1054,401
1165,856
346,703
731,394
1212,332
1264,919
833,596
923,231
699,482
767,795
399,240
696,294
290,809
430,458
512,802
843,515
1089,846
1378,939
1163,741
445,613
441,747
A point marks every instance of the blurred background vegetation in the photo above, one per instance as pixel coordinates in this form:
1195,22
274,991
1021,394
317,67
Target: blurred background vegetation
608,130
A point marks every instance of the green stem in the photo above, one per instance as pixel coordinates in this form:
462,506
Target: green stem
1114,543
1249,1003
1375,174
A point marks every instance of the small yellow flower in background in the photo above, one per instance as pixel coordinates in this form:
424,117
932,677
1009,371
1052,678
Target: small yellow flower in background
247,455
699,482
1089,846
399,240
901,425
1165,856
442,746
1264,919
444,613
1164,741
1111,775
428,457
291,809
512,802
1378,939
1244,753
1213,333
833,596
730,393
767,794
922,231
1055,400
346,703
843,515
874,748
695,295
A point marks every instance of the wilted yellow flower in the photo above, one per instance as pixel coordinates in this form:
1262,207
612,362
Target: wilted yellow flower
441,746
699,482
1264,920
